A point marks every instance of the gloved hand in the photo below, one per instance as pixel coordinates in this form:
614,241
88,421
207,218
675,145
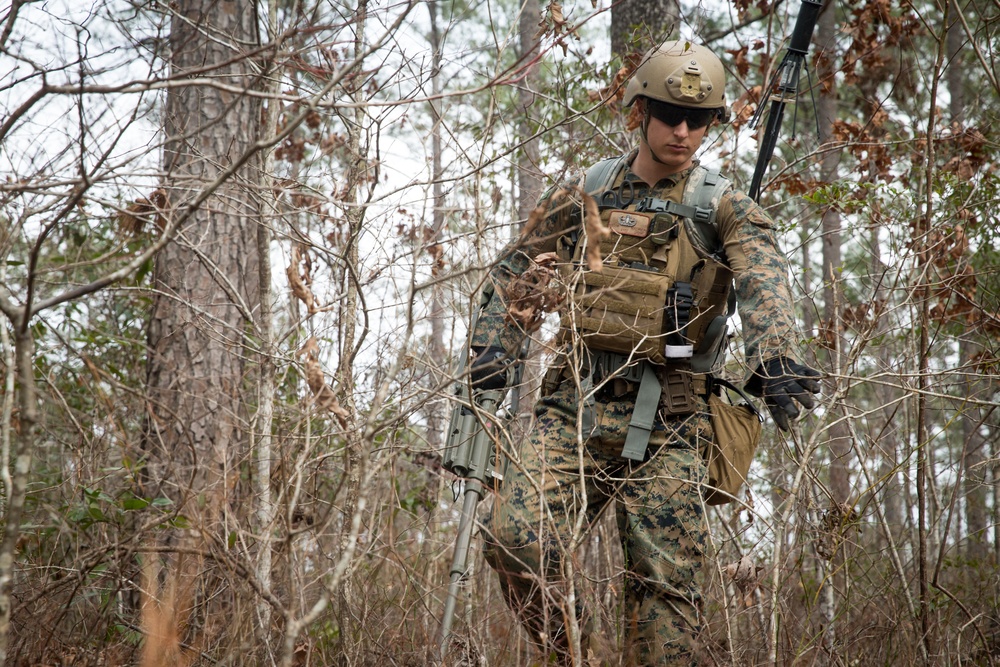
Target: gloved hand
489,368
783,382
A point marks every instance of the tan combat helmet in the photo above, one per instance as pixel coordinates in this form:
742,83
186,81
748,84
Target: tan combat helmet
680,73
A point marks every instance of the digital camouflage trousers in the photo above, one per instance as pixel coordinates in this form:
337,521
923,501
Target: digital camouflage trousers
660,516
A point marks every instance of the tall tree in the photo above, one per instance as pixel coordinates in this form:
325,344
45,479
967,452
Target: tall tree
206,280
437,410
826,109
529,173
973,416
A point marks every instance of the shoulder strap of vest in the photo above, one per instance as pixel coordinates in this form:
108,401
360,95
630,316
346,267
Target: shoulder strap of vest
603,175
702,192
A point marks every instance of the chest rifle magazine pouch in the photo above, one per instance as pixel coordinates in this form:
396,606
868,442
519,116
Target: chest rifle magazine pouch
620,309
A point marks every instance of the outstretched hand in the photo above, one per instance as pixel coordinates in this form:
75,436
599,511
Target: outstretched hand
786,384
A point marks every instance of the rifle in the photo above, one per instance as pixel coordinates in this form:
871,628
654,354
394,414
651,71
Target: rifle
469,454
785,84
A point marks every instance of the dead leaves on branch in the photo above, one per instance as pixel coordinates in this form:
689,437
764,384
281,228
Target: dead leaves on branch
837,524
299,274
537,216
538,290
613,94
532,294
875,29
746,576
323,394
134,219
594,228
554,23
971,150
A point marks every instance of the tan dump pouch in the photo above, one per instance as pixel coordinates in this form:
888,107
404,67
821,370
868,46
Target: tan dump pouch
620,310
737,433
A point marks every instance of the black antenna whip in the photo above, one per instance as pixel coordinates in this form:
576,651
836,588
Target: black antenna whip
785,84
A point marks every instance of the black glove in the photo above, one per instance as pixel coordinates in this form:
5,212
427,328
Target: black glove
779,381
489,368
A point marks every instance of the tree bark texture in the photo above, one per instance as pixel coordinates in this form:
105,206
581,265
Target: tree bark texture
437,414
24,354
956,43
826,110
639,25
973,386
529,174
206,281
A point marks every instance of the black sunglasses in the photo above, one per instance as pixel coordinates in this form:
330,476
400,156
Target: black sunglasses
674,115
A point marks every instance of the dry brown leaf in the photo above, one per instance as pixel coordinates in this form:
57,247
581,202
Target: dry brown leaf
739,60
322,393
534,219
742,572
745,576
299,283
547,259
556,12
615,91
133,220
596,232
531,295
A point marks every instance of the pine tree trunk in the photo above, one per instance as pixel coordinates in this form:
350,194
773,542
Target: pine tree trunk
437,409
356,175
840,442
529,174
205,280
639,25
263,423
973,386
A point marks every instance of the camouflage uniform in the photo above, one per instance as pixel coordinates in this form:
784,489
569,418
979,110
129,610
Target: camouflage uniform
660,514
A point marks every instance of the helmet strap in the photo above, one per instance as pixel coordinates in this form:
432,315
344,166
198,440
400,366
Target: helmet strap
645,140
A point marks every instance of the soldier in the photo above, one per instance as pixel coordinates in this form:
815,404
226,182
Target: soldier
623,417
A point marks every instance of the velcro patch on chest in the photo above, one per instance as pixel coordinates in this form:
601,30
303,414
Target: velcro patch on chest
629,223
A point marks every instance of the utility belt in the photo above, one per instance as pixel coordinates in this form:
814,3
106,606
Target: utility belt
679,385
670,389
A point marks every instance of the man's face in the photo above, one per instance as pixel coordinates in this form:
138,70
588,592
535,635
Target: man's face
674,145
